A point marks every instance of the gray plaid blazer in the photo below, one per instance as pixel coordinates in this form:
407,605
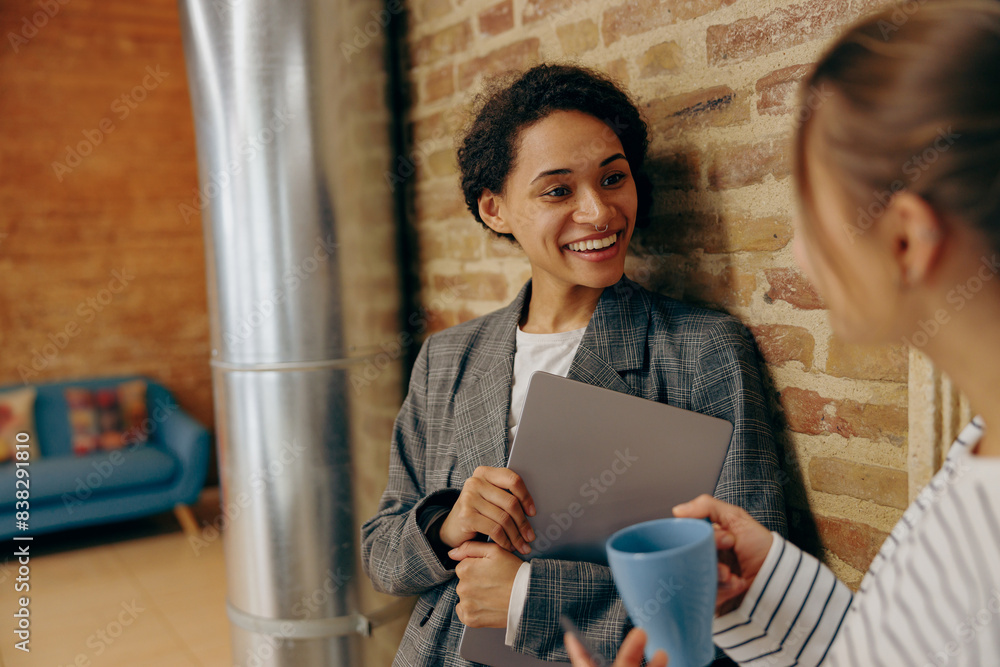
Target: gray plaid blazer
454,419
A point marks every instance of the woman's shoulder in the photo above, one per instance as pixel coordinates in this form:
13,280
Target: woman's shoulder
466,335
669,316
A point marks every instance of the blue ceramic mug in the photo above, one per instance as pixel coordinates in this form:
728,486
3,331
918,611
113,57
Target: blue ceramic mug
666,574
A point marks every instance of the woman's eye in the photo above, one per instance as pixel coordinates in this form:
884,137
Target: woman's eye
557,192
614,178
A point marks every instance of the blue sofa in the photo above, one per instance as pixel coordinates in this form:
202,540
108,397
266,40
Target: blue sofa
70,491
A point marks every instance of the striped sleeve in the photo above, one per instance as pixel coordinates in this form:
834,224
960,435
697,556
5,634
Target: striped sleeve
791,614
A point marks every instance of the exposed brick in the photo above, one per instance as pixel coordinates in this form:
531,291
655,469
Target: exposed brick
459,241
778,89
633,18
781,343
497,19
684,231
718,106
879,484
740,165
618,70
428,10
867,362
808,412
440,83
675,171
511,57
855,543
665,57
791,286
885,423
476,285
535,10
577,38
439,203
448,41
782,28
443,163
727,288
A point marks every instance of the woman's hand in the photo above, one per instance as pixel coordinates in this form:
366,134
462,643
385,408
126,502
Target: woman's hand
486,507
485,578
629,655
742,543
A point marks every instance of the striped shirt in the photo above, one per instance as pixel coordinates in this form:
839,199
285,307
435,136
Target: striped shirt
931,597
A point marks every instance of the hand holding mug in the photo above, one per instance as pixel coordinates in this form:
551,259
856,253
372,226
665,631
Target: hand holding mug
742,544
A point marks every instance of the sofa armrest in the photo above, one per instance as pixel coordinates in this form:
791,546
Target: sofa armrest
188,440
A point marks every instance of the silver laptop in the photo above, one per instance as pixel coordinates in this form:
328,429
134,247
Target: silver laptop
595,461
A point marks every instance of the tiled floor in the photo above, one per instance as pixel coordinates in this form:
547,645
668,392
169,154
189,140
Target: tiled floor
134,594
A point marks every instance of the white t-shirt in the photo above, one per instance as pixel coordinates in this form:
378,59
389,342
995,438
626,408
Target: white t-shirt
552,353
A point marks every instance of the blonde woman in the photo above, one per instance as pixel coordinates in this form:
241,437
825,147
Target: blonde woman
898,176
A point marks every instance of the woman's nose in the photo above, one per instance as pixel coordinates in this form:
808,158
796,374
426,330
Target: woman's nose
592,209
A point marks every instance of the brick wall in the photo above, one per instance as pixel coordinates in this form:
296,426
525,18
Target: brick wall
716,80
101,274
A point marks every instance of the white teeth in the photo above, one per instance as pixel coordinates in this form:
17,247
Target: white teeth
593,244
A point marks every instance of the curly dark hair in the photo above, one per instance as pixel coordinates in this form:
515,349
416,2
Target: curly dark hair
488,148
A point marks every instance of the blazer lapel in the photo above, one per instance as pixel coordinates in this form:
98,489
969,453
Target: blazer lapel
615,339
483,403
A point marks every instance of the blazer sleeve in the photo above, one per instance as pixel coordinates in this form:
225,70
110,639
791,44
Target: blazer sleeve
396,554
583,591
728,384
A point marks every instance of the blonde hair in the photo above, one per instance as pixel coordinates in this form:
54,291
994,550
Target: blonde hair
914,105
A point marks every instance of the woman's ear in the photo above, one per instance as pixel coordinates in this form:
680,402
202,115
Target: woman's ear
490,210
917,236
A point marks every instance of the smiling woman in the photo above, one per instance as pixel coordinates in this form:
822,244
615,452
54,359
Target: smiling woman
552,160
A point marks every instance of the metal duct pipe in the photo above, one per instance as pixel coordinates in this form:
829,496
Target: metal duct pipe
262,78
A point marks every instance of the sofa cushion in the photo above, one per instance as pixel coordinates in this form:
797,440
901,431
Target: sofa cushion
108,417
17,415
72,479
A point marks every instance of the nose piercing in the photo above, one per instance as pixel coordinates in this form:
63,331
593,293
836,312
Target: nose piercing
601,230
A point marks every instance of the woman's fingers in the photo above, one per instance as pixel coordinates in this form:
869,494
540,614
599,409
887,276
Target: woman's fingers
506,510
707,507
505,478
631,652
577,654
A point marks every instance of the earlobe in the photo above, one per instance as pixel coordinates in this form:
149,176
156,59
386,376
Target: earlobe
490,212
919,236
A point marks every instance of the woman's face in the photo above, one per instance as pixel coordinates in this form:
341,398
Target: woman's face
848,263
570,201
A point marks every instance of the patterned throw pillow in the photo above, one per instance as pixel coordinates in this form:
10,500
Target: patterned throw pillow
17,415
107,418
